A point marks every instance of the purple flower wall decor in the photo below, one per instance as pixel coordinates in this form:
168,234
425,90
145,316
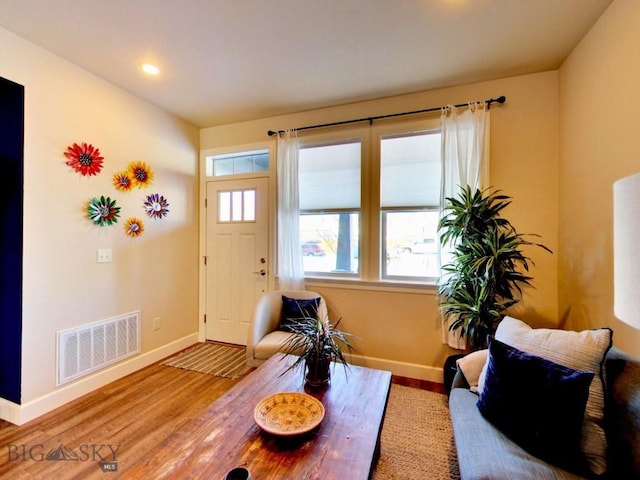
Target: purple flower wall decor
156,206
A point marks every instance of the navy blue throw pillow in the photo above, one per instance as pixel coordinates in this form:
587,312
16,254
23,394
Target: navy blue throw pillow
537,403
294,309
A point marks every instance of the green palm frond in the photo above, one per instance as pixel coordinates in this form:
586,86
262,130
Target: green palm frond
487,268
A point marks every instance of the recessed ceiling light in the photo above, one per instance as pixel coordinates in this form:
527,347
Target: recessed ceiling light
150,69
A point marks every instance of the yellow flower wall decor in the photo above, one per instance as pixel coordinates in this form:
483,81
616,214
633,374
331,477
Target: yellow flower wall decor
123,181
141,174
134,227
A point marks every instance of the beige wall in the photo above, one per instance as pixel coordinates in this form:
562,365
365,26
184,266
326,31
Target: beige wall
63,285
557,146
600,143
401,327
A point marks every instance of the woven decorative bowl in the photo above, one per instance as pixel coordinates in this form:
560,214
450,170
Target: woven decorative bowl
288,413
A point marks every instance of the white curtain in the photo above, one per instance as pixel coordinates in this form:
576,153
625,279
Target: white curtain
290,268
465,161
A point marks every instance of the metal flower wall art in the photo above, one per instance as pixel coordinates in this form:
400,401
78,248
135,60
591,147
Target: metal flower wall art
156,206
134,227
123,181
103,211
141,174
84,159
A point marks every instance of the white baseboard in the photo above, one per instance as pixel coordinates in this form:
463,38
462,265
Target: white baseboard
21,414
402,369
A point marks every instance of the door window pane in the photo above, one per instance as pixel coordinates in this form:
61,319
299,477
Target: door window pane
237,206
249,205
224,206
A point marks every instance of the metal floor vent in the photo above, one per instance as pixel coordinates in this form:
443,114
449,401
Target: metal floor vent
90,347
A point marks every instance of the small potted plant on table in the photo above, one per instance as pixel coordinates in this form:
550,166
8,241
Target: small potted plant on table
317,342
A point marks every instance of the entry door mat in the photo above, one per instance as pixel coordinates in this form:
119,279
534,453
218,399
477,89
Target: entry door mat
213,359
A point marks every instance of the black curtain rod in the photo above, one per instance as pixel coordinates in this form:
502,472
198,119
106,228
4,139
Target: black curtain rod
500,99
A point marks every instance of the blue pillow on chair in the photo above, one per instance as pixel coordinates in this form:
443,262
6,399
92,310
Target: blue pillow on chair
294,309
537,403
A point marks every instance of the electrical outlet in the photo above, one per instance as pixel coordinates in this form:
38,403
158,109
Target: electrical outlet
156,323
104,255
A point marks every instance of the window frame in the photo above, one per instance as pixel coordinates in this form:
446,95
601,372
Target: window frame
399,130
371,264
237,150
342,136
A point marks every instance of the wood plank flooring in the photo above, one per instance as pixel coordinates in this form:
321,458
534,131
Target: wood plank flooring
126,419
116,425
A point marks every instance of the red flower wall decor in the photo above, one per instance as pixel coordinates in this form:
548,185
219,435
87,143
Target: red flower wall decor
84,159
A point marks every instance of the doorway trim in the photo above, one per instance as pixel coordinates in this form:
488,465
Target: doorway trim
204,179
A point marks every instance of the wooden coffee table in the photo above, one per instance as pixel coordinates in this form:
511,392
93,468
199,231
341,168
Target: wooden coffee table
345,445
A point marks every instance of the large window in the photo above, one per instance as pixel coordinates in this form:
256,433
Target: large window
369,206
410,170
329,181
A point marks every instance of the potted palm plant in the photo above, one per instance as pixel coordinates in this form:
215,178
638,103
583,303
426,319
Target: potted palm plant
317,342
487,267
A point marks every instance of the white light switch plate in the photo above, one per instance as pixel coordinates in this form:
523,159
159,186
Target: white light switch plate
104,255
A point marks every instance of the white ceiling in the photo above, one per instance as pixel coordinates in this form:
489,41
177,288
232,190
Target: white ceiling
225,61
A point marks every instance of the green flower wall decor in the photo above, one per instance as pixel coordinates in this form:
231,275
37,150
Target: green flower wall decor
103,211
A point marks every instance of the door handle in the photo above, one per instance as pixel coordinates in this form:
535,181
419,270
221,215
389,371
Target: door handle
261,272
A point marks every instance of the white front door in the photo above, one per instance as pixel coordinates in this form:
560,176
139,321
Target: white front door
237,256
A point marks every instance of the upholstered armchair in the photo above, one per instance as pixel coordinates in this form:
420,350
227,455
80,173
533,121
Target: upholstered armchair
264,338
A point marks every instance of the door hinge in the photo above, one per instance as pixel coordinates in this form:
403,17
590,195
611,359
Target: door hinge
205,259
205,203
205,318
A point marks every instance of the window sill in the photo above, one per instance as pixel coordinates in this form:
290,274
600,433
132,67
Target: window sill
380,286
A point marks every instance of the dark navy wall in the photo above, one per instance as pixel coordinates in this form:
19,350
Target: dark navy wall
11,210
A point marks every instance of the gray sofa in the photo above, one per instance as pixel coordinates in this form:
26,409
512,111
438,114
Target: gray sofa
484,453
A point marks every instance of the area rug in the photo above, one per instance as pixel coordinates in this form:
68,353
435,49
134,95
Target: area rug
417,437
213,359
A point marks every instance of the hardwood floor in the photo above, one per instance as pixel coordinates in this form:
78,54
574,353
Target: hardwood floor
126,419
419,384
115,426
